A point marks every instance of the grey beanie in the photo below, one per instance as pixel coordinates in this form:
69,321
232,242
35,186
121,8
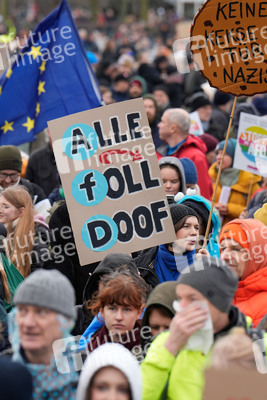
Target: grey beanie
214,279
49,289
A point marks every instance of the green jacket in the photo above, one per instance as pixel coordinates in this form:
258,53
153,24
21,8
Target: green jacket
183,373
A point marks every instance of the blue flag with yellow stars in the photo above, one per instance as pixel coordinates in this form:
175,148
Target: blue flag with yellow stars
49,78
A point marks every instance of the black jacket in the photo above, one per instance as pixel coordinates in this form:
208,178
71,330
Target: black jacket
42,169
145,264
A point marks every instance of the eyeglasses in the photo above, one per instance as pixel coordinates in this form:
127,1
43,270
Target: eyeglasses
13,177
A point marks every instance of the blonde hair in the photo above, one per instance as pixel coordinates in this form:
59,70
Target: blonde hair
235,350
5,284
19,241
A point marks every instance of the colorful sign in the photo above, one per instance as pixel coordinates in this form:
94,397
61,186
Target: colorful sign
228,42
195,124
110,175
251,148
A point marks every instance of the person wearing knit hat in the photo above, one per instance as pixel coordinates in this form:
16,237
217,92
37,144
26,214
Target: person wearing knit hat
168,260
43,317
211,143
200,102
172,175
161,94
202,207
220,116
113,368
242,245
10,169
237,183
137,87
191,175
177,358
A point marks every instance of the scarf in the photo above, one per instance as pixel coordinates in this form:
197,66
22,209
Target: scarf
130,339
168,266
229,176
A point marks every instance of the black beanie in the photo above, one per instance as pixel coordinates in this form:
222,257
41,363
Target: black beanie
10,158
198,100
200,209
212,278
178,211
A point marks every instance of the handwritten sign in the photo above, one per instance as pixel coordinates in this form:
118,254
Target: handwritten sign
228,42
251,148
111,180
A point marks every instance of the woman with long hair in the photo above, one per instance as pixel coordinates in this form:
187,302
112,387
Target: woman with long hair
26,244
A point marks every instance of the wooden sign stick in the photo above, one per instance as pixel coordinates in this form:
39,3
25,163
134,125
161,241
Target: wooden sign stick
219,174
250,190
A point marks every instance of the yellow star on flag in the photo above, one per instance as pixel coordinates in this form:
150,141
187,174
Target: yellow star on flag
29,124
9,73
42,68
41,87
35,52
0,90
37,109
7,127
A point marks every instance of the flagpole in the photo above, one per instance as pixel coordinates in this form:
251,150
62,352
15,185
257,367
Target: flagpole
219,173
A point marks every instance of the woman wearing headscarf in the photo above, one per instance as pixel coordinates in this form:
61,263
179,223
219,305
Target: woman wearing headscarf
242,245
237,182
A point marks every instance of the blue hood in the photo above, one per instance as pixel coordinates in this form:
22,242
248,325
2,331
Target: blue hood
213,246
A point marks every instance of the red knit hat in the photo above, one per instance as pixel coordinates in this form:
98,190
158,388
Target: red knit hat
235,232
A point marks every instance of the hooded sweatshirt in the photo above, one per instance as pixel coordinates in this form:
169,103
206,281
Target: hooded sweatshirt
194,149
174,162
251,294
111,355
197,203
164,295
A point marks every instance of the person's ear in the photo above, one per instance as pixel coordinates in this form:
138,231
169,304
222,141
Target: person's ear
21,211
102,312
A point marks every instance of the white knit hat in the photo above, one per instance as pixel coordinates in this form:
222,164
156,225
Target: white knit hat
111,355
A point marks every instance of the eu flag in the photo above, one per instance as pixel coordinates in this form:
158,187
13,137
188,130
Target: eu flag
49,78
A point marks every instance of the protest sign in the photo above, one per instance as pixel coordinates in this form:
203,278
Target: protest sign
228,42
251,148
111,180
195,124
233,384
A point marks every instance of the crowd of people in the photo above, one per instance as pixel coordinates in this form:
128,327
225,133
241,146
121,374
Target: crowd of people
144,325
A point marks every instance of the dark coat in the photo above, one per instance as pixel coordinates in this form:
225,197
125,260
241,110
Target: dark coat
42,169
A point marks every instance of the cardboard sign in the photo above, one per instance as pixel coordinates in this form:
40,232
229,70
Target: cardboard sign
234,384
251,148
195,124
111,180
228,42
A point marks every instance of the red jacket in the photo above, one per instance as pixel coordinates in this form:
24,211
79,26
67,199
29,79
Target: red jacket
251,295
194,149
